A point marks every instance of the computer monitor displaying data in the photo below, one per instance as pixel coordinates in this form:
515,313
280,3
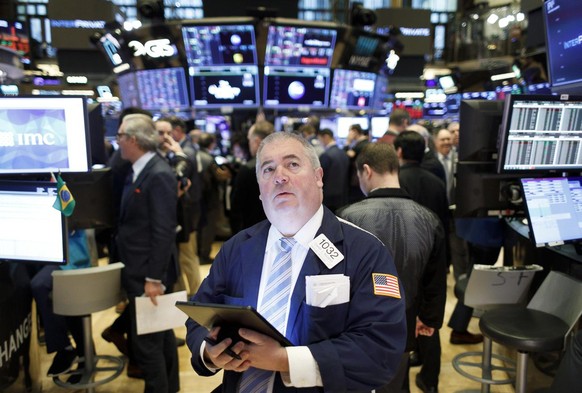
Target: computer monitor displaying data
541,133
554,207
31,230
352,89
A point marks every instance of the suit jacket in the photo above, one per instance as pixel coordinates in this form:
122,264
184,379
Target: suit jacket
357,345
147,226
336,166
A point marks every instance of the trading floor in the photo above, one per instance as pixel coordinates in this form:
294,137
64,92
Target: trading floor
450,380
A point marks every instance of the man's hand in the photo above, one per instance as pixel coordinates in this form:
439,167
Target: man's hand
153,289
422,329
217,355
263,351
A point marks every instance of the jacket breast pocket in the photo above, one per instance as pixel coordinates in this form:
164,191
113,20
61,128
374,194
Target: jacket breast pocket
322,323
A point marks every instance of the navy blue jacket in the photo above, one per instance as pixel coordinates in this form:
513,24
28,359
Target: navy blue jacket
357,345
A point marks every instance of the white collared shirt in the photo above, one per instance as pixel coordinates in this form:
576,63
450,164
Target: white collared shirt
140,164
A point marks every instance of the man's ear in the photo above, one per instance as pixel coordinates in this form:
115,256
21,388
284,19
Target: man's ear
399,153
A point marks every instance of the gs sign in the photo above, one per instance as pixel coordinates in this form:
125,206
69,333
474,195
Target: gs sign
153,48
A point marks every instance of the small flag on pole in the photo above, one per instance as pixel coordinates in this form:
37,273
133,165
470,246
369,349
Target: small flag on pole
65,202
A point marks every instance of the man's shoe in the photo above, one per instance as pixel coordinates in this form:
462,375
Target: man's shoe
423,387
118,339
465,338
133,371
62,362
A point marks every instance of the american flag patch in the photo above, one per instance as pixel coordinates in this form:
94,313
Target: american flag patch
386,285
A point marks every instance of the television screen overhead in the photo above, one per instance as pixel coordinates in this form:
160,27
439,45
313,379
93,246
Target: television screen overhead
296,86
352,89
300,46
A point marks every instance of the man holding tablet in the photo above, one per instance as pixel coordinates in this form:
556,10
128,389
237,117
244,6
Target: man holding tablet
328,286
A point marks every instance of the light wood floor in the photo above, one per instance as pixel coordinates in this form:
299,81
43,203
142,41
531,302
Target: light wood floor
450,380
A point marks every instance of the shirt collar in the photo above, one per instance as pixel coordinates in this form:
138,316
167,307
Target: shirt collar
305,235
141,162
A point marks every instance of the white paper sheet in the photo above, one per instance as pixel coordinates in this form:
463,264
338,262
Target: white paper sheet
164,316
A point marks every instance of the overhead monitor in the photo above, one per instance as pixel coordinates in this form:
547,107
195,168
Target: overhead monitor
217,87
352,89
156,89
553,208
344,124
541,133
31,230
220,44
381,93
291,87
300,46
479,122
42,134
563,31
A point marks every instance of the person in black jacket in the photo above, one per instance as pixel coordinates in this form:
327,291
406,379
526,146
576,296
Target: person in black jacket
415,237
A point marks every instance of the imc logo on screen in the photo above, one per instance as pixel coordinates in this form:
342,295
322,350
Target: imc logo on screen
10,139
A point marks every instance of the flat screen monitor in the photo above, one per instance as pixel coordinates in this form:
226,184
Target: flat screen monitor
291,87
541,133
300,46
44,134
379,126
414,107
352,89
554,209
344,124
563,31
153,90
217,87
479,122
329,123
220,44
31,230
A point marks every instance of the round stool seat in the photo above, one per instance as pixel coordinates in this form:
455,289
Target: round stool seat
524,329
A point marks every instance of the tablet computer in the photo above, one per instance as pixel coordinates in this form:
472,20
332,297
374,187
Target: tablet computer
230,318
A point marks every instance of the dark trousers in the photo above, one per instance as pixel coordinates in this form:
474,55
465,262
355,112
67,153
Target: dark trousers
56,327
157,356
429,349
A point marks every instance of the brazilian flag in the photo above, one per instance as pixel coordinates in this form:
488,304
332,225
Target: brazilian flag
65,201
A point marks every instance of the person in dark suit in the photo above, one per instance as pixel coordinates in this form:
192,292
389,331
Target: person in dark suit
355,142
336,166
350,341
146,244
246,208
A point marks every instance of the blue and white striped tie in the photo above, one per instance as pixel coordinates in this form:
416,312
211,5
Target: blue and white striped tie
274,309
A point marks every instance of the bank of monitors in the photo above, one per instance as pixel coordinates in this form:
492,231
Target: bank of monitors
222,64
156,89
554,207
352,89
297,66
563,31
44,134
31,230
480,121
541,133
379,126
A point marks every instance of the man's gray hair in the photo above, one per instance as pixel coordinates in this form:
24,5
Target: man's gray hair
308,148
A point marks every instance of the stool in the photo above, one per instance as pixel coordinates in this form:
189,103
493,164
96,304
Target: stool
487,288
81,292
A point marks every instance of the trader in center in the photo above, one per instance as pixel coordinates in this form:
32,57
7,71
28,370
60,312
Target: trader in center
330,287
